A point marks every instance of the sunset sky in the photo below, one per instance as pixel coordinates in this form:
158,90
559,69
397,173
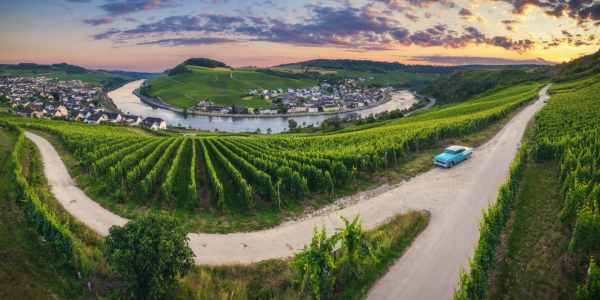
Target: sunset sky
154,35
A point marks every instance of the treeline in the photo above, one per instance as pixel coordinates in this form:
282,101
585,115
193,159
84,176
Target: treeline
384,67
180,69
578,68
463,85
69,69
205,62
300,76
114,83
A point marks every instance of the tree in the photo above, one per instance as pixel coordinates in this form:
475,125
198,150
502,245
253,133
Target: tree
328,183
233,108
370,119
292,124
148,253
303,124
269,130
324,125
258,131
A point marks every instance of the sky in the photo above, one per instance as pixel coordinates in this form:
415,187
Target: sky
155,35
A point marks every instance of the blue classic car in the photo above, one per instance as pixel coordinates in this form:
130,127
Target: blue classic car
452,156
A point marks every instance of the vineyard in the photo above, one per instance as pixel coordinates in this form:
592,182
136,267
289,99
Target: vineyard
569,132
254,183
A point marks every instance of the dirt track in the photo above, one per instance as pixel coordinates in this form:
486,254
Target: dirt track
428,270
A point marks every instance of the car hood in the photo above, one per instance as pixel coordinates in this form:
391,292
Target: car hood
444,157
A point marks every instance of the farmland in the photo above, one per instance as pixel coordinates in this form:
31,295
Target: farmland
189,88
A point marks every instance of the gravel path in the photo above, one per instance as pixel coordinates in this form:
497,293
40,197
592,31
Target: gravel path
430,267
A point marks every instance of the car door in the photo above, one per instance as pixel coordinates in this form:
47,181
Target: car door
460,155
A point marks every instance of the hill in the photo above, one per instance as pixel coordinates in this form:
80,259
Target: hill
395,74
577,68
464,84
199,84
61,71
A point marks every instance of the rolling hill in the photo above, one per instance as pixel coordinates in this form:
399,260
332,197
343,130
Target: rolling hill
186,89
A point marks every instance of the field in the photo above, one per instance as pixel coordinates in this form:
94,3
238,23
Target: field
91,78
216,84
256,183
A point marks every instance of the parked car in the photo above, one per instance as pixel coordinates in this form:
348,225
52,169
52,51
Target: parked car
452,156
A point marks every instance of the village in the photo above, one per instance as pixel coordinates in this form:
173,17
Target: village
314,100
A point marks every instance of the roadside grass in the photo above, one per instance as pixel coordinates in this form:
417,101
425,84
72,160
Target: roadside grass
534,245
274,279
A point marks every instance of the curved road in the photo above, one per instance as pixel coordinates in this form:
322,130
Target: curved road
430,267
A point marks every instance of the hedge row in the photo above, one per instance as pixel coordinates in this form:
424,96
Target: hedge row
474,284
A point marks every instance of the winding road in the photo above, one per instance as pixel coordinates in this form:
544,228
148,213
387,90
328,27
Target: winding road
430,267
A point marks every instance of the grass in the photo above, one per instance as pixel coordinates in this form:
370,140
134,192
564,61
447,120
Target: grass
273,279
187,89
535,244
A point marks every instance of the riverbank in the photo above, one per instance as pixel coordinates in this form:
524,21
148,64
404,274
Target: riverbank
163,105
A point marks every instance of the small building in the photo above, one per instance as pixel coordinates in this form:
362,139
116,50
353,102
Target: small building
313,109
154,123
132,120
331,107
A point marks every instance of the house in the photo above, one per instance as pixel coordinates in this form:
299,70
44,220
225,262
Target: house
331,107
24,112
35,106
268,111
239,109
290,90
280,91
38,113
75,115
62,109
135,120
122,122
113,117
298,109
25,103
152,122
96,118
50,106
313,109
55,113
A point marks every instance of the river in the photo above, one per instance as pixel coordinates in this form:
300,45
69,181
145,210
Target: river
128,103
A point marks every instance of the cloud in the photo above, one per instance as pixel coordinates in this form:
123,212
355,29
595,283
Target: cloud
190,41
566,33
412,17
69,9
509,44
521,7
466,15
105,35
80,1
169,24
123,7
99,21
471,60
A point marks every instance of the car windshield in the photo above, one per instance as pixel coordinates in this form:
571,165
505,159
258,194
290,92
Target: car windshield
449,151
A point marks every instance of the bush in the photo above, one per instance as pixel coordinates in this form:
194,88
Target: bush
148,253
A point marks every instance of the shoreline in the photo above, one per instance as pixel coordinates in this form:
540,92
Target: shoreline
156,103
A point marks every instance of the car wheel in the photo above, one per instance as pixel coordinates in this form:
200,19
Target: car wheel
468,157
451,164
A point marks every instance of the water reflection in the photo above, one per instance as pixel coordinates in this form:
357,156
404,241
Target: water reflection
127,102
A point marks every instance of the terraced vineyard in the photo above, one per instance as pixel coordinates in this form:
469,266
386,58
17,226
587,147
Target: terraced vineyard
253,183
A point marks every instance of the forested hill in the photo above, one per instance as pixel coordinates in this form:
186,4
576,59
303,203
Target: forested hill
577,68
382,67
200,62
69,69
462,85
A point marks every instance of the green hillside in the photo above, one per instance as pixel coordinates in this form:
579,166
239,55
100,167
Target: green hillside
462,85
202,83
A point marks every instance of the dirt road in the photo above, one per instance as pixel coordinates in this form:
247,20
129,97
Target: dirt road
428,270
